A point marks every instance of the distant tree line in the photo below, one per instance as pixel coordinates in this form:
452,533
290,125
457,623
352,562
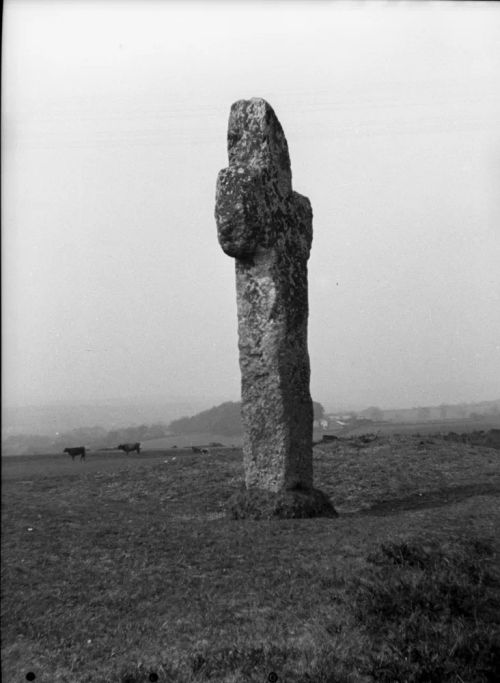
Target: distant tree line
224,419
441,412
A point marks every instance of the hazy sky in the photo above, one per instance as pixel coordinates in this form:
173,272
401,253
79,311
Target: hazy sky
114,120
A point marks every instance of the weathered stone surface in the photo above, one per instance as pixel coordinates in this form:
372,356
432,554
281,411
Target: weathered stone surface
267,228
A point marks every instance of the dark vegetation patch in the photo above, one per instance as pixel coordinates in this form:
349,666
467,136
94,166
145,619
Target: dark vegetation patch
432,611
118,569
293,504
478,437
429,611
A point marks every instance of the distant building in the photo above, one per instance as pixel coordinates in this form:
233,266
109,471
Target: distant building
340,417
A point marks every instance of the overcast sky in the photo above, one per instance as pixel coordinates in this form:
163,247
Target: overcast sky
114,120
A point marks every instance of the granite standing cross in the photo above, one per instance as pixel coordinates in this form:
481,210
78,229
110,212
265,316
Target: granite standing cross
267,228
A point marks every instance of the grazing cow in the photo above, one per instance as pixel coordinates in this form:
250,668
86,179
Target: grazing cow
79,450
129,447
205,450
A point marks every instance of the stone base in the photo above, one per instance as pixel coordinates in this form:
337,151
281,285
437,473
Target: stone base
293,504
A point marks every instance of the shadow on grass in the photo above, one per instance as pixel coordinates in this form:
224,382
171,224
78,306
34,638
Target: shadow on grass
427,500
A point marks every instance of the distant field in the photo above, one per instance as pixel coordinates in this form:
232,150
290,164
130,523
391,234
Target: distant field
61,465
432,427
204,439
188,440
123,569
435,427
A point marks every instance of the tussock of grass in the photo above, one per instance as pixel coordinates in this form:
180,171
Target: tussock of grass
432,612
287,504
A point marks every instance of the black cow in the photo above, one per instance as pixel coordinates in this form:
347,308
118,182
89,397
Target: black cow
129,447
79,450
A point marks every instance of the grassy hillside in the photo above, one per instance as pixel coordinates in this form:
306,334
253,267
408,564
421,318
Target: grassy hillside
124,569
222,419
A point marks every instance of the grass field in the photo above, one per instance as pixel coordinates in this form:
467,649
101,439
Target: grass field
124,569
428,427
187,440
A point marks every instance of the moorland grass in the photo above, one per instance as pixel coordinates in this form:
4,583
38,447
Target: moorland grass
432,611
118,573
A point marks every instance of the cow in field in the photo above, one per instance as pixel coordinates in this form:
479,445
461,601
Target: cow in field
79,450
130,447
